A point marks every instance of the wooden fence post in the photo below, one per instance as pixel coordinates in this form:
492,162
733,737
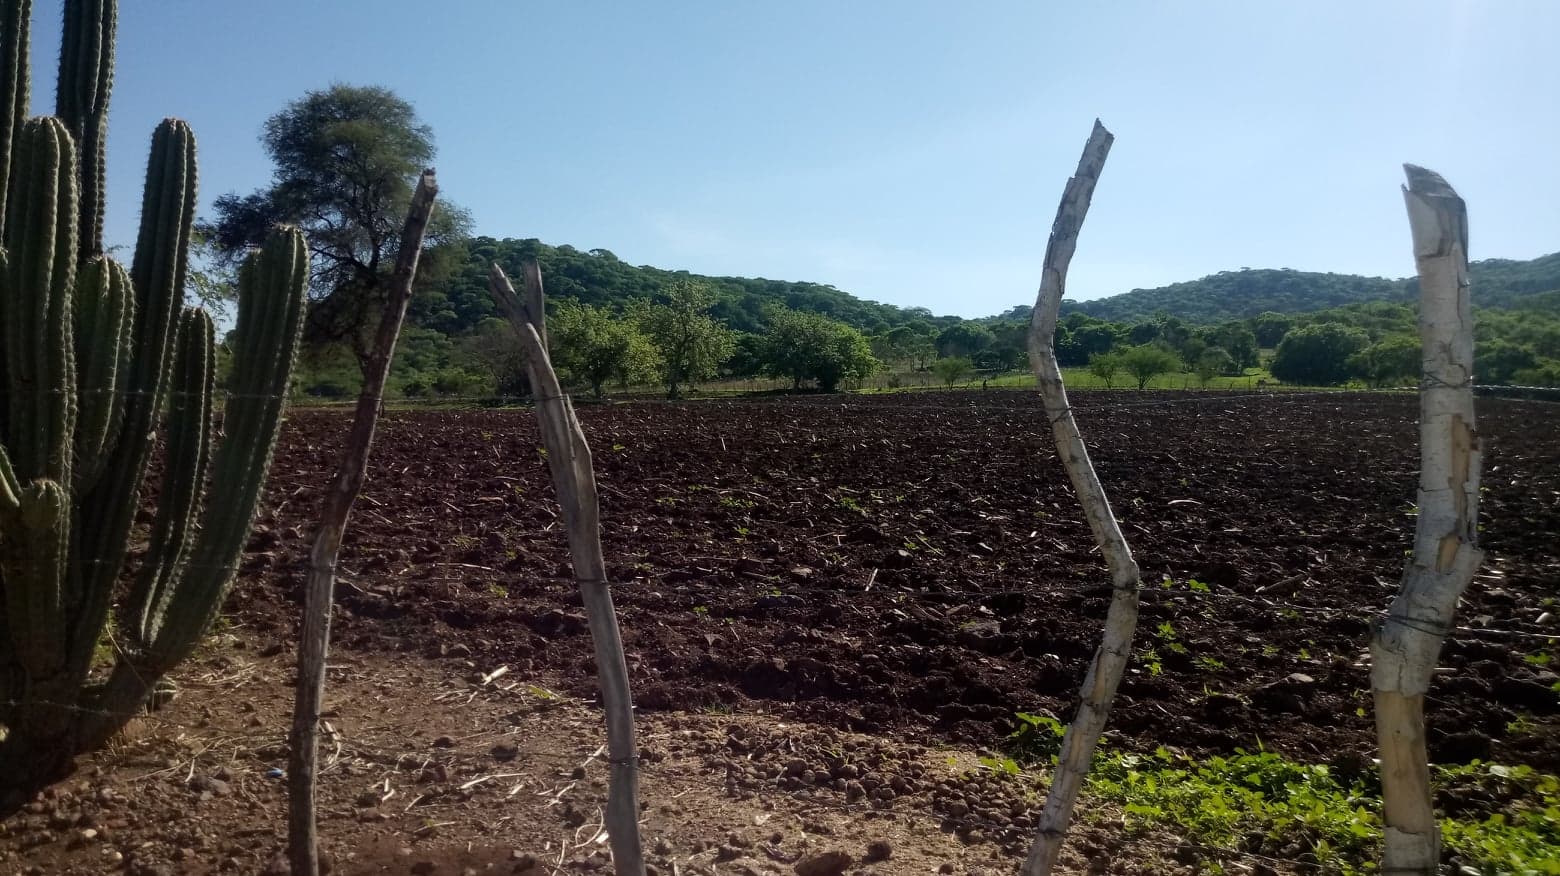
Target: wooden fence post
1110,660
314,638
568,457
1446,554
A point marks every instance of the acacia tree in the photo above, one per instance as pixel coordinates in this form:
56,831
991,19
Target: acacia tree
1147,361
346,161
691,343
1105,366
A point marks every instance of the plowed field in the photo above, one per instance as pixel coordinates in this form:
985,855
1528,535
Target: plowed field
916,566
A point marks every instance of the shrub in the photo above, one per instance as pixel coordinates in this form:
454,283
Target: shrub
952,369
1318,355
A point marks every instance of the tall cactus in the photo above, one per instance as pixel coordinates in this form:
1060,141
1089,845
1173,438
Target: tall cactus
91,357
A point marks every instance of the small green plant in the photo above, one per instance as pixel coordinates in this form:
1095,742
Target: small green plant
1165,633
1212,664
1000,765
1521,725
1151,661
1036,736
701,611
496,589
850,504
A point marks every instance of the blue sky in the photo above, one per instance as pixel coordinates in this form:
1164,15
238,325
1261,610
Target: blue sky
909,152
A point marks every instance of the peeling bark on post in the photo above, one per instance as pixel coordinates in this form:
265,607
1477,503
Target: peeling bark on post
1408,640
314,639
568,457
1110,661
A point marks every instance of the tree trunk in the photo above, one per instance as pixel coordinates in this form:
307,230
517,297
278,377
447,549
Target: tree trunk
1446,554
574,478
314,639
1110,661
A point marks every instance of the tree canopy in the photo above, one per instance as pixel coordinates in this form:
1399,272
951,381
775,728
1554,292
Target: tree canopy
346,160
692,344
1318,355
805,346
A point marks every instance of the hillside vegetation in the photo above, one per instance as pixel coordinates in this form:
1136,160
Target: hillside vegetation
1497,283
617,325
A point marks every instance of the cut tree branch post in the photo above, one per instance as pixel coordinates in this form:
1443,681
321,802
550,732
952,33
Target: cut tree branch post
1446,554
1110,661
314,639
568,457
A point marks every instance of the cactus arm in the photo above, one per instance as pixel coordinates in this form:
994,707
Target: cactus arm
15,82
271,290
32,561
189,447
105,312
157,274
40,273
86,77
275,280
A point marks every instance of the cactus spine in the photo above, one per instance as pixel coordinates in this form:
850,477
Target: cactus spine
90,356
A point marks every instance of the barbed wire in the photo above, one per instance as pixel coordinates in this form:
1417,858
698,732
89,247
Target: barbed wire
346,576
279,734
759,397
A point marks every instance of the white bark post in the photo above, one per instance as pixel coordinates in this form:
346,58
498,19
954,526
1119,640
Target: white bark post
568,456
1408,640
314,638
1110,661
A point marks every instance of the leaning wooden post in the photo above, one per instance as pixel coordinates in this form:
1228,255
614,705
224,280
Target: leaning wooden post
314,639
1446,554
568,456
1110,661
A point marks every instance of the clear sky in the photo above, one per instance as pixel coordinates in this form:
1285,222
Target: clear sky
909,152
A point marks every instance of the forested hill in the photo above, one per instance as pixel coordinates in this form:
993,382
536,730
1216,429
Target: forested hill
598,277
1497,283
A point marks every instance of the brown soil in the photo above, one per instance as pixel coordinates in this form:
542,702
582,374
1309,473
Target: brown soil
900,572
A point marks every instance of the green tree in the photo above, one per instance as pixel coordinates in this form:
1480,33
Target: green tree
1147,361
595,347
346,161
1237,339
493,350
1388,362
952,369
1105,366
806,346
691,344
1318,355
1498,361
211,279
1269,328
964,340
1213,362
